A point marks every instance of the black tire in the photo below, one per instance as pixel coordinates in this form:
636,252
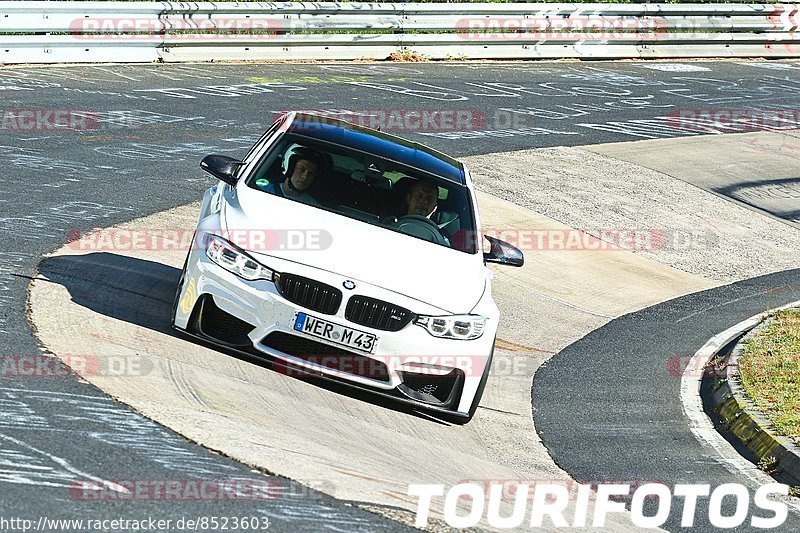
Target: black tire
178,290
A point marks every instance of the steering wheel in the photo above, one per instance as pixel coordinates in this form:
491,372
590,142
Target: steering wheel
421,227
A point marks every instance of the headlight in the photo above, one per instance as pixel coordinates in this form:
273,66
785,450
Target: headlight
462,327
234,259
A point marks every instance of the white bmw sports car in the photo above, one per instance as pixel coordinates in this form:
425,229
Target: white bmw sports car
348,254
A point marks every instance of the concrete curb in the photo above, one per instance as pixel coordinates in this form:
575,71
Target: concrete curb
740,416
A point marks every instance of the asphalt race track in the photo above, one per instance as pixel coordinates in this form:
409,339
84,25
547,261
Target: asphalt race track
153,123
630,388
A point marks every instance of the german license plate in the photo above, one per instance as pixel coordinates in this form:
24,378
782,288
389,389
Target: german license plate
352,338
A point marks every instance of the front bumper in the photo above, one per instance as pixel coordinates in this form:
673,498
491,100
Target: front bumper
411,366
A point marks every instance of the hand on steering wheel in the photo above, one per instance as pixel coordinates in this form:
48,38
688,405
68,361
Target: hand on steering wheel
420,226
420,218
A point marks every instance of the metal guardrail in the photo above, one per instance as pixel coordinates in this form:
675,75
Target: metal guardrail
63,32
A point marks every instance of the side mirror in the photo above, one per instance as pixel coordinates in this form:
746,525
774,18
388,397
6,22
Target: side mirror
503,253
221,167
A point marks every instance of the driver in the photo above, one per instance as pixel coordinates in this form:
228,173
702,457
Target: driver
422,199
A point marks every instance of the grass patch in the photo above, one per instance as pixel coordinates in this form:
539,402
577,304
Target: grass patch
770,372
768,465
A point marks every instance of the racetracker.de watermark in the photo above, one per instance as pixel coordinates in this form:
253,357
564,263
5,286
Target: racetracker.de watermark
718,367
153,239
207,490
398,120
735,119
536,26
596,239
48,366
42,119
153,28
378,367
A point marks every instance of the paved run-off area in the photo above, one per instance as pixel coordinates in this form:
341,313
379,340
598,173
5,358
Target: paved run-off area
116,303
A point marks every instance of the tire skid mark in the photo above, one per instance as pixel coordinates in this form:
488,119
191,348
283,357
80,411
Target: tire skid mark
176,375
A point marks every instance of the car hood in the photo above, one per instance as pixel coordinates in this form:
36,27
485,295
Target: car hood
451,280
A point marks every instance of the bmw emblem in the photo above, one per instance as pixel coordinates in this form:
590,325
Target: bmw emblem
349,284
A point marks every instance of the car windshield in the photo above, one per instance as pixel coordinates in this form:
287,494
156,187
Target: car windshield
369,189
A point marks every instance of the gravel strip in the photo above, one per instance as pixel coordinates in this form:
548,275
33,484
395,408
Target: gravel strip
703,233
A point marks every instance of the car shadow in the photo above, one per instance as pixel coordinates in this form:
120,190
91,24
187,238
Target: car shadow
769,195
142,292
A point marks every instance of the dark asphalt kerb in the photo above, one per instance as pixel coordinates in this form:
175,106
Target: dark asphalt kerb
608,410
738,415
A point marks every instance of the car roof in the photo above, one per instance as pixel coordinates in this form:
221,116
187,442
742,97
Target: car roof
379,143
